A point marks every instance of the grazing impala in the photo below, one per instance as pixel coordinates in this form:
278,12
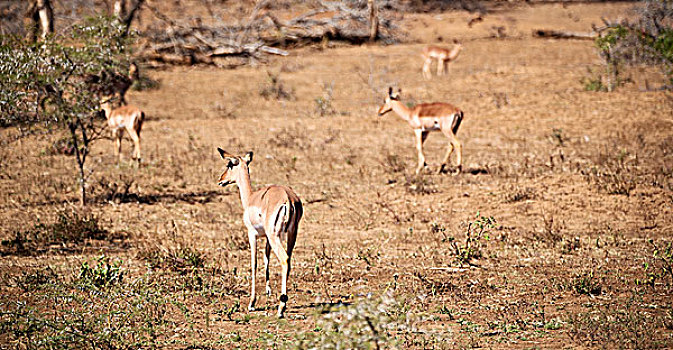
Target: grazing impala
274,212
427,117
443,57
127,118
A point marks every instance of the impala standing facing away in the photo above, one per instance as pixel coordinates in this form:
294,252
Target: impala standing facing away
274,212
127,118
426,117
442,55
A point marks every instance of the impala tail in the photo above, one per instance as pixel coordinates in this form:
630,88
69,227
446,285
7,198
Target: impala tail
457,119
140,121
287,214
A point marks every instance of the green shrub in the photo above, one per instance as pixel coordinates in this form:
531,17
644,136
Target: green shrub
102,273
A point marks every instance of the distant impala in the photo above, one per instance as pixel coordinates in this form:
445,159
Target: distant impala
127,118
443,57
427,117
274,212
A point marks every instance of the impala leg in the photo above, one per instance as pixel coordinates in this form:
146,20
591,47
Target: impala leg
284,259
440,66
445,162
253,267
117,135
420,139
454,144
267,254
426,69
459,154
136,144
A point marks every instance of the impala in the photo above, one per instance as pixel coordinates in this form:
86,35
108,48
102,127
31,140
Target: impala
427,117
273,211
127,118
442,55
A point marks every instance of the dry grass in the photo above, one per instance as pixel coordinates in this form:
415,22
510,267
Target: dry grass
559,270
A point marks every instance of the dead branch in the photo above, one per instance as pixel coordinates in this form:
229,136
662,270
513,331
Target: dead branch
262,33
558,34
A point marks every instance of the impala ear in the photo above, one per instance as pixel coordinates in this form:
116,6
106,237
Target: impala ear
223,153
390,91
247,158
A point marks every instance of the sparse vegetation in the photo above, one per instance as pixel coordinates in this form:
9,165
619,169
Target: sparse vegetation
369,323
517,194
102,273
614,174
178,258
658,269
586,284
416,184
566,264
477,233
276,89
50,85
612,325
71,227
646,40
323,104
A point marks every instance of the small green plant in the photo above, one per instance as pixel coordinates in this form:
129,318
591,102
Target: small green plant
102,274
593,82
659,267
557,137
368,255
478,231
586,284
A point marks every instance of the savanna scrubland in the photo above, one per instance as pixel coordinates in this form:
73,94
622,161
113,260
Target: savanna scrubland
556,235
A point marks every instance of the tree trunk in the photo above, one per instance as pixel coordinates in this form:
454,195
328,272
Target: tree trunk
125,13
46,14
38,19
373,20
80,163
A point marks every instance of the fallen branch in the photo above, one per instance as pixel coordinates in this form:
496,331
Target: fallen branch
557,34
260,34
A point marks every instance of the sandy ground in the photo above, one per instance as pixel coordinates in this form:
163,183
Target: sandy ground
532,136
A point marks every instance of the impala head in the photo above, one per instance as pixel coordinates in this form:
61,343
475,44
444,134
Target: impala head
387,103
234,166
457,46
106,105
